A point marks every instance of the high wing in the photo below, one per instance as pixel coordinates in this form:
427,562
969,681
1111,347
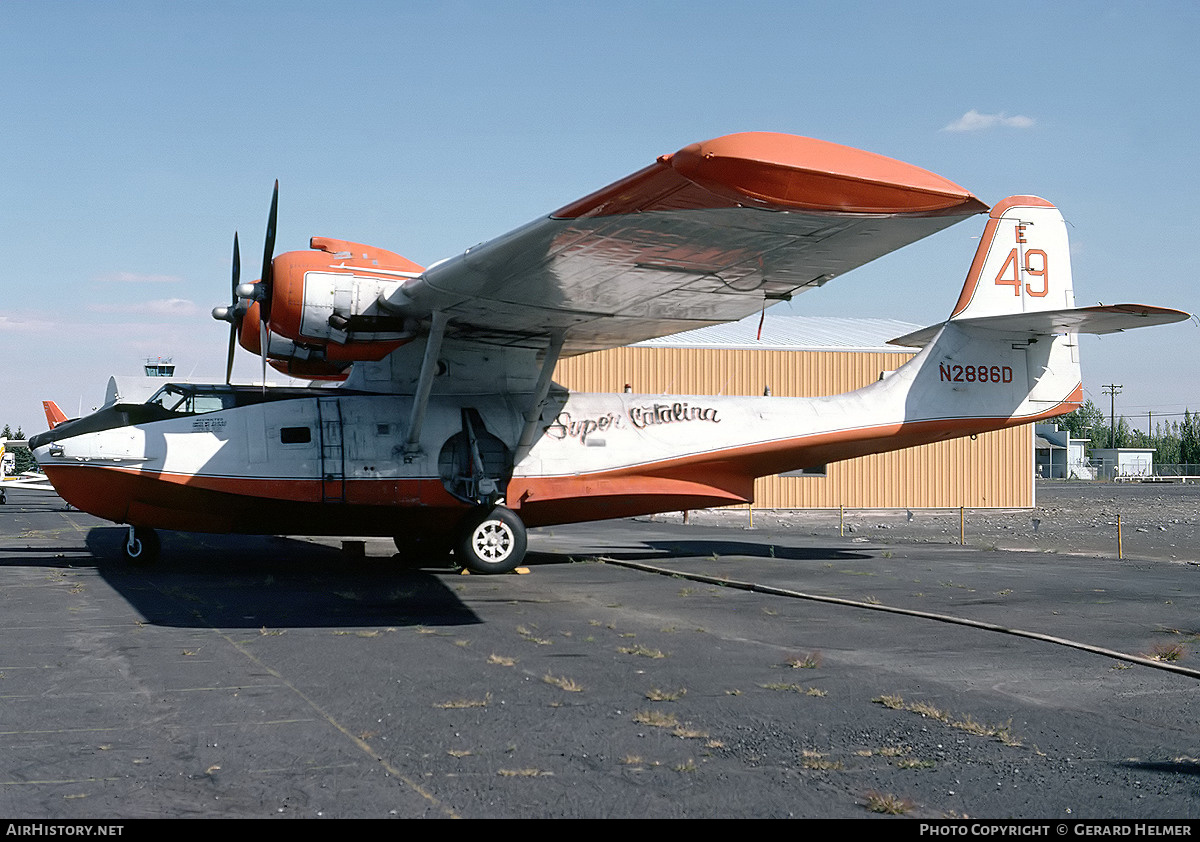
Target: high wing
709,234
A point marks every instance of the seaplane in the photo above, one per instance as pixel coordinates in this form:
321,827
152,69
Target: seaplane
433,418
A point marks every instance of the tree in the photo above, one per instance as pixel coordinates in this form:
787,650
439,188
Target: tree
22,459
1189,439
1121,435
1165,442
1087,422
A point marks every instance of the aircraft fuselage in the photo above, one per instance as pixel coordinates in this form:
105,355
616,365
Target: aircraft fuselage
334,461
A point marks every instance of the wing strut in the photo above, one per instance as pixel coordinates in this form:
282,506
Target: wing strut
433,347
540,391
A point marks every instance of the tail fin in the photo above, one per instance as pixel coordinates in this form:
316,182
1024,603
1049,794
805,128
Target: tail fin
1020,282
54,415
1008,353
1022,265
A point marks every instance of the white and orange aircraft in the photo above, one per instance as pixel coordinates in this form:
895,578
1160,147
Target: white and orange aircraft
448,427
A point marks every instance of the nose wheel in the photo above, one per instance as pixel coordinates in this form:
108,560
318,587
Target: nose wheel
491,540
141,546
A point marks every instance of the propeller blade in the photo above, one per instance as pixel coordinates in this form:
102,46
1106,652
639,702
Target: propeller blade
235,320
237,264
264,337
229,357
268,253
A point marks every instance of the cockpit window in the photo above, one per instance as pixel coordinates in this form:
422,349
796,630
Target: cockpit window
182,400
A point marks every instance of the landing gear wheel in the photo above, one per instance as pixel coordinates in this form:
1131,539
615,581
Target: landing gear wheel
3,498
491,540
141,546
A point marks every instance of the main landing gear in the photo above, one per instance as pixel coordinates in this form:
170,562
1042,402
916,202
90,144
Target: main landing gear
491,539
141,546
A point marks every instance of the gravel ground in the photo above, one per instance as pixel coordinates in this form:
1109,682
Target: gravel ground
1157,521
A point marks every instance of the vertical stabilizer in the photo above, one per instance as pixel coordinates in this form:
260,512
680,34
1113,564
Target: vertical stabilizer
1023,264
54,415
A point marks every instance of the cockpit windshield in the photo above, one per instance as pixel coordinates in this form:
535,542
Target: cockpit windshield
184,399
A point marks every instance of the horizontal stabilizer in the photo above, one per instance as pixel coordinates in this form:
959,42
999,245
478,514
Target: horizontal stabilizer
1099,319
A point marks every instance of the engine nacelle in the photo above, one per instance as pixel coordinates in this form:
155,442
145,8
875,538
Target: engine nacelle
325,308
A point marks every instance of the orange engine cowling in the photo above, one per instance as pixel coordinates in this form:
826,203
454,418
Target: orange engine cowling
325,311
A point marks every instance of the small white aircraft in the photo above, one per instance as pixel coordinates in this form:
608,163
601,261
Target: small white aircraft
448,428
25,479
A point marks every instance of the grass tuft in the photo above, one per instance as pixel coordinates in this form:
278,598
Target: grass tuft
638,649
656,719
885,802
1167,653
806,662
817,760
459,704
563,683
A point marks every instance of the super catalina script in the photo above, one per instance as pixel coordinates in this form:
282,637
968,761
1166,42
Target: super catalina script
565,426
669,413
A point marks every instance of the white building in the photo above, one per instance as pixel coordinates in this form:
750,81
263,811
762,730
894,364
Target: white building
1059,456
1121,462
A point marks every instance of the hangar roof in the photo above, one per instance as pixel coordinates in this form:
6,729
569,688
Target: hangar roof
793,333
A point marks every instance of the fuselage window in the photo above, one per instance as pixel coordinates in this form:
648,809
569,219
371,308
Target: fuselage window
295,435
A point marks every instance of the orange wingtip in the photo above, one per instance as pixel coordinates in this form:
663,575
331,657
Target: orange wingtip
780,172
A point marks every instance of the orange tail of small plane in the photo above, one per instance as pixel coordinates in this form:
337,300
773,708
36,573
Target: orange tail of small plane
54,415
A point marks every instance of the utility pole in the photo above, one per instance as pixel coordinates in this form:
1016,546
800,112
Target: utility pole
1112,390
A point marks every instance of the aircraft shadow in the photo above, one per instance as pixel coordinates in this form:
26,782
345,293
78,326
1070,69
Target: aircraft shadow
1179,767
238,581
731,549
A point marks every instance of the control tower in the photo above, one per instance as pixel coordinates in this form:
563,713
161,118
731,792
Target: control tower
160,367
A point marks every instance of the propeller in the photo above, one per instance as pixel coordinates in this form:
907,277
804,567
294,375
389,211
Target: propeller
260,292
234,312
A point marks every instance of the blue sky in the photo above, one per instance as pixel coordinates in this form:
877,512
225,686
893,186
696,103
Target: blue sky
138,136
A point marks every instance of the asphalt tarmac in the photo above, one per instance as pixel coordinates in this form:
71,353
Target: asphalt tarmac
260,677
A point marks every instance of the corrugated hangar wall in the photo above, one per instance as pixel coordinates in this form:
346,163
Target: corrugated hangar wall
995,470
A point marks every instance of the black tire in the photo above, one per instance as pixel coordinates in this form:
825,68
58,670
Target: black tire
143,550
491,540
